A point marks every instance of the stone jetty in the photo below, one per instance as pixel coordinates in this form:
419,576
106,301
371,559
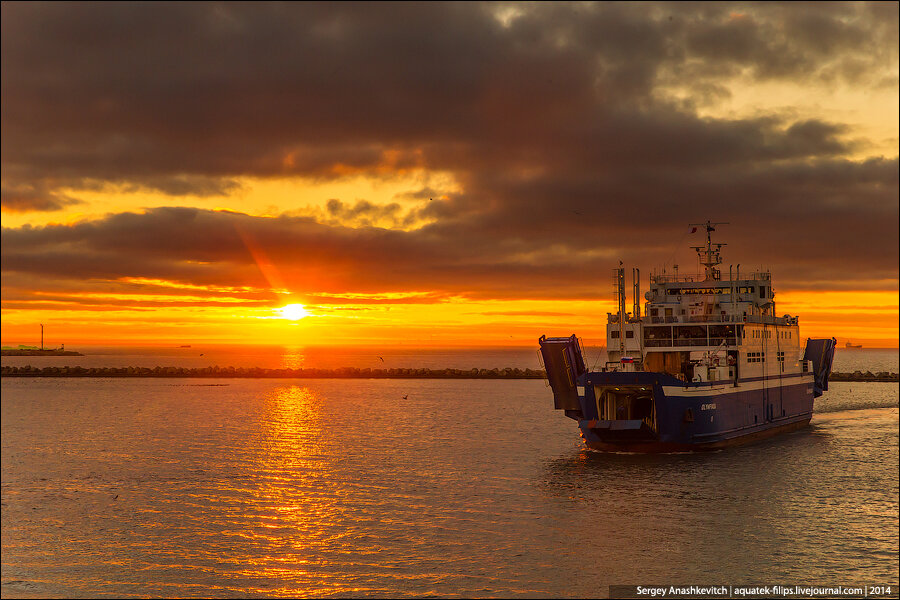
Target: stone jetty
860,376
340,373
258,373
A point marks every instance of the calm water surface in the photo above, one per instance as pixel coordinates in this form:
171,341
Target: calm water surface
342,488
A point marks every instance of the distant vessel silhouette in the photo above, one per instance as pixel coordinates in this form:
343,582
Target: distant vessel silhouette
849,345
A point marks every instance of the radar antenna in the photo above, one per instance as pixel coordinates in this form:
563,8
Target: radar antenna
710,256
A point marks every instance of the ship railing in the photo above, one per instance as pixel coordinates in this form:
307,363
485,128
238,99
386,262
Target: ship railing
770,320
710,319
687,342
612,366
676,278
672,278
758,275
699,319
767,319
664,320
614,318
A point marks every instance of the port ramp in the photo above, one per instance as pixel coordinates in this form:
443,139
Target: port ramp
821,353
564,364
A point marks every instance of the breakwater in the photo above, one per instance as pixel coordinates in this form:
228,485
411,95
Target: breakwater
860,376
340,373
258,373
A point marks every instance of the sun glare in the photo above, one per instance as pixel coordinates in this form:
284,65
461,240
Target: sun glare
293,312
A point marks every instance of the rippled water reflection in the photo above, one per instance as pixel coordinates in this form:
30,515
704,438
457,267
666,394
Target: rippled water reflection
464,488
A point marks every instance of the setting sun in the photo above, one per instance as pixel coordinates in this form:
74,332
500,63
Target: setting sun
293,312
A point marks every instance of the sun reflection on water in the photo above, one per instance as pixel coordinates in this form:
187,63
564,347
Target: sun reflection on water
293,358
297,506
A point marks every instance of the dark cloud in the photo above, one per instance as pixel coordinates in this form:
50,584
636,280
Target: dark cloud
195,247
154,94
363,213
555,121
35,197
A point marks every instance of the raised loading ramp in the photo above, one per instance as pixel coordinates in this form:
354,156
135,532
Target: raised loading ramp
821,353
564,364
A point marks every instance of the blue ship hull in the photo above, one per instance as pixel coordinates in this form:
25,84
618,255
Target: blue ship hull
694,416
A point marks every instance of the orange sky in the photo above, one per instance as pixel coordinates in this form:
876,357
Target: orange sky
475,188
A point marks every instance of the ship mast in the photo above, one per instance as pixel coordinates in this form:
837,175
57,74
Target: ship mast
710,255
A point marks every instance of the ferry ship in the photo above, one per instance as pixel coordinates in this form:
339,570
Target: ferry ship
708,364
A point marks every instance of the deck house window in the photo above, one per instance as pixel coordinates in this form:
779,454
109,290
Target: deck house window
655,337
691,335
721,333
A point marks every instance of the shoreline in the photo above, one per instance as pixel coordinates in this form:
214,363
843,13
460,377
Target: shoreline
37,352
340,373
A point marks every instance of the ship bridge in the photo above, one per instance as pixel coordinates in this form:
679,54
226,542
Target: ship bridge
710,326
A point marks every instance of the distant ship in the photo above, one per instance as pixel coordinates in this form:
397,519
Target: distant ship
708,365
849,345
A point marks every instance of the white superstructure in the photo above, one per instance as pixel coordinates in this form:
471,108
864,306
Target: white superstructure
703,327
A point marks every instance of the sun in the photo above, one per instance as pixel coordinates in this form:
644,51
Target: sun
293,312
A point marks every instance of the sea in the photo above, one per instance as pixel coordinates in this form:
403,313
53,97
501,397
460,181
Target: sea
337,488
